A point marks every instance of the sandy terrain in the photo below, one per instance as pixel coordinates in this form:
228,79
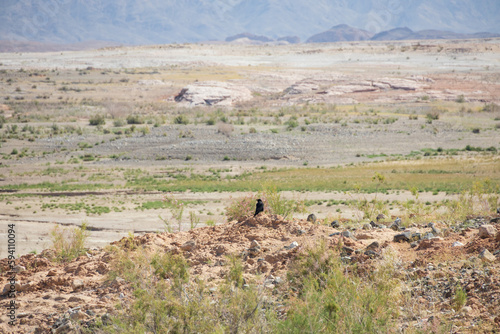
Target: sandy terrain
369,83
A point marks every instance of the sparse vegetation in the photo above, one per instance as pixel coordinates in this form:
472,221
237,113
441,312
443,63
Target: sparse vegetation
69,244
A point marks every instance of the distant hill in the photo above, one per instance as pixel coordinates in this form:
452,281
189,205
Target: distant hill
393,34
406,34
132,22
339,33
250,37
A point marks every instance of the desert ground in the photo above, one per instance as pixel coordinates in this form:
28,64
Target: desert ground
351,130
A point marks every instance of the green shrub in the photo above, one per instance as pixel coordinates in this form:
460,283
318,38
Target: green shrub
165,302
459,299
181,119
97,120
274,203
69,244
332,299
134,119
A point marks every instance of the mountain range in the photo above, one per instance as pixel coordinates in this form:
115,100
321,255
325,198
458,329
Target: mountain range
133,22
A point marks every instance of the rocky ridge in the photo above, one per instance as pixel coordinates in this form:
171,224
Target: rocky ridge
433,259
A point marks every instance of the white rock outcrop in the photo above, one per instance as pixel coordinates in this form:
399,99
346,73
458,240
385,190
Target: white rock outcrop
213,93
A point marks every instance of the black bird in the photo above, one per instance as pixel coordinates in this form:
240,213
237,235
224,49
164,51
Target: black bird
259,207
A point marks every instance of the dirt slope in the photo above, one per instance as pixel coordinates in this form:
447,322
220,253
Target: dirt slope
50,293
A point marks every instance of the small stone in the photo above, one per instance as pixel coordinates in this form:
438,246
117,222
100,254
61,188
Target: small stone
347,250
467,309
335,224
428,236
486,256
414,244
75,299
311,218
367,227
487,231
402,237
457,244
394,227
380,216
106,319
300,232
374,245
65,328
77,284
292,245
371,254
254,251
347,234
52,273
18,268
254,243
78,315
189,246
372,223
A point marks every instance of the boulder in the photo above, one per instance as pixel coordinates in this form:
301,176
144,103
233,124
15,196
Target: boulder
311,218
486,256
487,231
212,93
188,246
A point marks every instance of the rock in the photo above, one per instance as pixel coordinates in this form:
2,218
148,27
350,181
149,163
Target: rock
347,250
402,237
487,231
486,256
428,236
367,227
371,254
189,246
302,87
311,218
335,224
65,327
380,217
77,284
457,244
394,227
435,230
467,309
52,273
78,315
106,319
8,287
292,245
18,269
254,243
374,245
213,93
254,249
348,234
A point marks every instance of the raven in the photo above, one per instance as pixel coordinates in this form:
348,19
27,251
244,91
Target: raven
259,207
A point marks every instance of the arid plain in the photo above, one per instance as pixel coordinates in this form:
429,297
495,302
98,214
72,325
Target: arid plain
297,106
141,142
